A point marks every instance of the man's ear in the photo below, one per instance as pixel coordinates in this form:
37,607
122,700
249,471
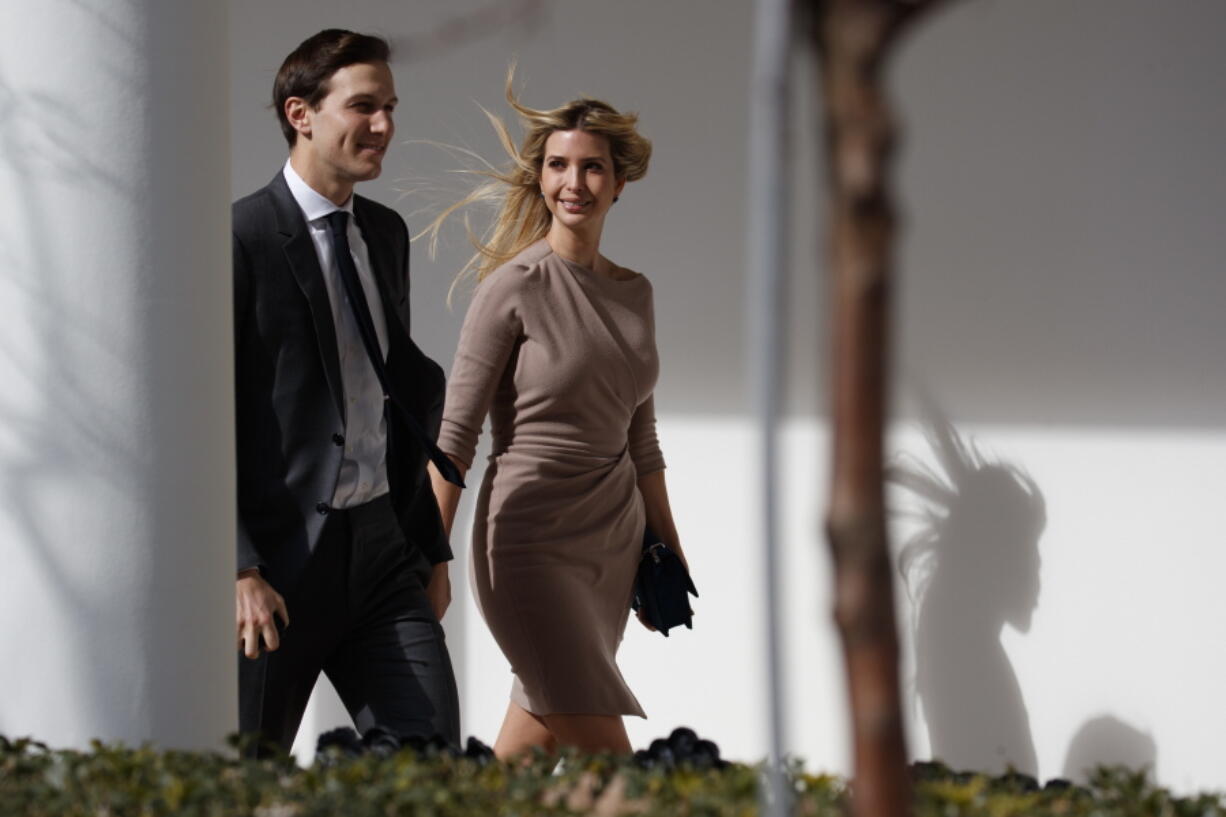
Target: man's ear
298,113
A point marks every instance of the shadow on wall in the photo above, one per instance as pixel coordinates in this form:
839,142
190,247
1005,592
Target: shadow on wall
1108,741
971,567
58,429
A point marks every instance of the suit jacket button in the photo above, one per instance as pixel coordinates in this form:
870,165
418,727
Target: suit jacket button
322,508
338,439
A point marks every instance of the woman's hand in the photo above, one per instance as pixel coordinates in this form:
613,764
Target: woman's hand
659,513
438,591
446,494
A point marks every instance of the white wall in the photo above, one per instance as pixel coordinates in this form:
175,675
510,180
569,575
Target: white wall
1059,303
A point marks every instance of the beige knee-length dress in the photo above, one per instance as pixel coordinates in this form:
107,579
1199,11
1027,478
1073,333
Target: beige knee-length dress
564,362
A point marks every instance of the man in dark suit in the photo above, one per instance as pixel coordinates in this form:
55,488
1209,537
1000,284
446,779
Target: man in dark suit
337,411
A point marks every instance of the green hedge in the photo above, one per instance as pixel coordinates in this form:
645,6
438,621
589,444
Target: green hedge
114,781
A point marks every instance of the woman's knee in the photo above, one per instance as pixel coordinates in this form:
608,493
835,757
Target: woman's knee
589,733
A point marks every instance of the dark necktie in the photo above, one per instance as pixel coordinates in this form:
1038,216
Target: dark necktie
337,224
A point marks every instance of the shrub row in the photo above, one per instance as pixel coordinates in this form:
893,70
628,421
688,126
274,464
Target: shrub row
115,781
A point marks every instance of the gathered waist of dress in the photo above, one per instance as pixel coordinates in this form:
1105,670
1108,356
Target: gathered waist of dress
552,448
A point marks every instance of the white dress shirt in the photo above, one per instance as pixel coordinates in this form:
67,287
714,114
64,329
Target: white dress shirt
363,474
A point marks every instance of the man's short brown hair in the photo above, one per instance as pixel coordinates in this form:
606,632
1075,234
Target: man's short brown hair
307,70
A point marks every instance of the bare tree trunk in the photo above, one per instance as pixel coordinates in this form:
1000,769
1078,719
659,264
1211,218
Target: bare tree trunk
854,38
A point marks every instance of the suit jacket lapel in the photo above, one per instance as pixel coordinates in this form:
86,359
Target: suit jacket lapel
304,263
419,379
393,290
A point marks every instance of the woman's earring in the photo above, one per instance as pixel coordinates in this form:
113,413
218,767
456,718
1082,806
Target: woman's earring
615,198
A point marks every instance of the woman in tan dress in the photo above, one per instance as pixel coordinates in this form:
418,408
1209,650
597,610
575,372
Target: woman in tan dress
558,347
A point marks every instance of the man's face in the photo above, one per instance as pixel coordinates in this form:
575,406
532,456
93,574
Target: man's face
343,140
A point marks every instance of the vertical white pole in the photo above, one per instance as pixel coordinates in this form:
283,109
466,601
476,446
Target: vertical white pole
116,385
768,242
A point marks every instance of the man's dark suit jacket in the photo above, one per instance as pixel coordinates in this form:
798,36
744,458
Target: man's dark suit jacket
290,406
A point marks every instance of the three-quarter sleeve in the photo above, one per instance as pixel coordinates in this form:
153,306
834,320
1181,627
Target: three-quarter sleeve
642,440
491,329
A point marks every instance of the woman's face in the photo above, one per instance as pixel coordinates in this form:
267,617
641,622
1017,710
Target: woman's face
577,179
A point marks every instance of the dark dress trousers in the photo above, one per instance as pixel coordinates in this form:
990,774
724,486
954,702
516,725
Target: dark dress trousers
353,579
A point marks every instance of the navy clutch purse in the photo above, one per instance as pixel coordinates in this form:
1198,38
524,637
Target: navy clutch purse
661,587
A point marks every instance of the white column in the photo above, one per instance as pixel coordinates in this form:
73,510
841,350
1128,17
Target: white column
116,391
765,298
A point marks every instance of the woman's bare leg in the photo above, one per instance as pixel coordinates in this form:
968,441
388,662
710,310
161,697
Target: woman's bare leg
521,730
589,733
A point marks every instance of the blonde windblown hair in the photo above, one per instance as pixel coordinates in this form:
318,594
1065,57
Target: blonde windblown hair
523,217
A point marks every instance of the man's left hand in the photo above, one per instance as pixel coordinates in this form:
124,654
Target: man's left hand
438,591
